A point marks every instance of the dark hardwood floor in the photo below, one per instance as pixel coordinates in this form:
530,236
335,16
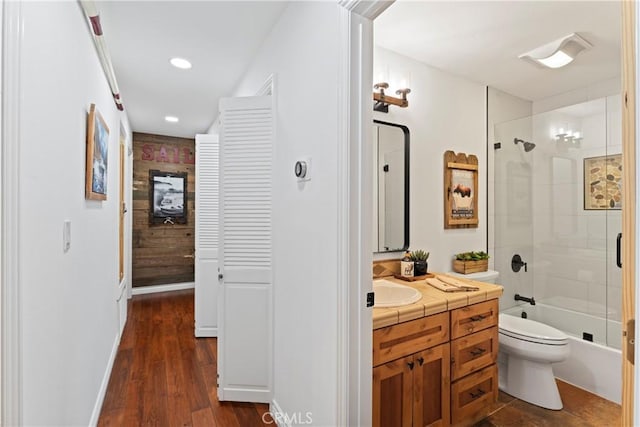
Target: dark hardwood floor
163,376
581,409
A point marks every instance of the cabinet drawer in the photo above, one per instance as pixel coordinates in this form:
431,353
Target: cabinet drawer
472,396
473,352
473,318
407,338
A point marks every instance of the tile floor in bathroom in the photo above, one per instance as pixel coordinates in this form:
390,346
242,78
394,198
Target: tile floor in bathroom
581,409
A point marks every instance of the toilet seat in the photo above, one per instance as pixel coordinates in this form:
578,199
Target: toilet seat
530,330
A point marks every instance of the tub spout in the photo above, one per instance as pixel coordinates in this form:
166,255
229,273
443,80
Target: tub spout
531,300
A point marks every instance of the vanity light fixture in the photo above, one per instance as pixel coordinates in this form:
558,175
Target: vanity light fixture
382,100
171,119
557,53
181,63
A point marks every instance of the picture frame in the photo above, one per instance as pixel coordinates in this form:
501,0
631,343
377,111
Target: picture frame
97,156
460,190
168,197
603,182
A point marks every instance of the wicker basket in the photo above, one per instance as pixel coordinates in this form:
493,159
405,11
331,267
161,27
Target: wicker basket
468,267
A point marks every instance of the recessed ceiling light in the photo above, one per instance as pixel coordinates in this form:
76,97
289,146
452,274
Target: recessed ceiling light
558,53
171,119
180,63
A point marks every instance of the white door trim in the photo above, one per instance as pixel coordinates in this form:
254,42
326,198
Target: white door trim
354,254
11,344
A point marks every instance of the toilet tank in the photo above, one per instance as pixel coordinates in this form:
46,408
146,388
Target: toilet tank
489,276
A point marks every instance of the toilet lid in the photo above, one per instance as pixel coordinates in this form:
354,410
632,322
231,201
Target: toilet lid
530,330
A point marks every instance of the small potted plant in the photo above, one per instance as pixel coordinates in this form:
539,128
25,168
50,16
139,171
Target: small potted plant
419,259
471,262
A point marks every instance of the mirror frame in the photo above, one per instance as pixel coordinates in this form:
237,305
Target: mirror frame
407,175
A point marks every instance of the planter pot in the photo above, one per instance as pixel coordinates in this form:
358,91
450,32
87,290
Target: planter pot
420,268
468,267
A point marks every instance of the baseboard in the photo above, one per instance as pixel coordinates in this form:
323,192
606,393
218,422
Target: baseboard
141,290
95,415
206,332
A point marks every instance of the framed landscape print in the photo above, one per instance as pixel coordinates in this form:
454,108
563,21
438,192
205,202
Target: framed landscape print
97,156
603,182
167,197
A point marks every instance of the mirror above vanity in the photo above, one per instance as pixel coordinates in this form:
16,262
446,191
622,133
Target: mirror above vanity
391,187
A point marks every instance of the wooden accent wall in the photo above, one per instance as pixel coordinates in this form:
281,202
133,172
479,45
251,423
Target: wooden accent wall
629,138
161,253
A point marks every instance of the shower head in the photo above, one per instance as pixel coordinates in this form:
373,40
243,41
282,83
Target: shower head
528,146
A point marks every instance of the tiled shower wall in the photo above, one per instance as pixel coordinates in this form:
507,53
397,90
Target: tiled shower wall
574,248
537,211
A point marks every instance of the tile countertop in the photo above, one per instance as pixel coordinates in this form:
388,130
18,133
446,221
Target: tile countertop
433,301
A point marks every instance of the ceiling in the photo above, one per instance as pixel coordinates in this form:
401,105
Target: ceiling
481,41
475,39
220,38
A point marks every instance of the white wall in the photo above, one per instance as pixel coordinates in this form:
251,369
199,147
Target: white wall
302,52
445,113
69,311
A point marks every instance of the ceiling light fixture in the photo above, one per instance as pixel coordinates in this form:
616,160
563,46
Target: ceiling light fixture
171,119
558,53
181,63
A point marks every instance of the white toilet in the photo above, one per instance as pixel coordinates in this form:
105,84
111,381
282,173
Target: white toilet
526,351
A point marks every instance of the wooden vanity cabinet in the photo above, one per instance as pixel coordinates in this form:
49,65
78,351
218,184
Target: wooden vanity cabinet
438,370
413,389
474,352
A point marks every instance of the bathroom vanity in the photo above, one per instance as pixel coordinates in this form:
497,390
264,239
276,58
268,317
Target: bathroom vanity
434,361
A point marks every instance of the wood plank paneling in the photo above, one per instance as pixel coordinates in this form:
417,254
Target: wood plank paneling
629,203
161,253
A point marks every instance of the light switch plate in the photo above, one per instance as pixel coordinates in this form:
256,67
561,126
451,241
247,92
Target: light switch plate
66,235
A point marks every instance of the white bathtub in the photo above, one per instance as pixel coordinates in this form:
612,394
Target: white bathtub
592,366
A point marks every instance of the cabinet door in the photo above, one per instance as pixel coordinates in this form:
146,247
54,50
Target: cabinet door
431,379
392,391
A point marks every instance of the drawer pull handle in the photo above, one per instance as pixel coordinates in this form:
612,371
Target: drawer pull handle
410,365
477,351
420,360
477,394
478,318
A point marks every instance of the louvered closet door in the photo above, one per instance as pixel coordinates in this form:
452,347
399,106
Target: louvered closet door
246,327
207,230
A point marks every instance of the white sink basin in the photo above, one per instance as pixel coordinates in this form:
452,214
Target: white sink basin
389,294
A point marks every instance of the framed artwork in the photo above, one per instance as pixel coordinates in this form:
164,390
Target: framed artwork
603,182
460,190
167,197
97,156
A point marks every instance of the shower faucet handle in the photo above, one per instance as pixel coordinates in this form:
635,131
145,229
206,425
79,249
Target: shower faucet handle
517,263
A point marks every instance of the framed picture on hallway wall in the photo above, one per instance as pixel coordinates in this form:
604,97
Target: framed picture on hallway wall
167,197
603,182
97,156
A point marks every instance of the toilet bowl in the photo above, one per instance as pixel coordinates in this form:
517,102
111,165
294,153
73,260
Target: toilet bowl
527,350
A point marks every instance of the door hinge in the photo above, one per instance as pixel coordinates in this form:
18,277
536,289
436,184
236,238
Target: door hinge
630,339
371,299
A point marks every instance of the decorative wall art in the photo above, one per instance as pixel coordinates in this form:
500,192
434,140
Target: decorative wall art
97,156
603,182
460,190
167,197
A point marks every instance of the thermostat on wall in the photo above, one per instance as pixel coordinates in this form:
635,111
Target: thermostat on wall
302,169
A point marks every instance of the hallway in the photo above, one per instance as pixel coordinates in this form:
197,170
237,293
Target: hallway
164,376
